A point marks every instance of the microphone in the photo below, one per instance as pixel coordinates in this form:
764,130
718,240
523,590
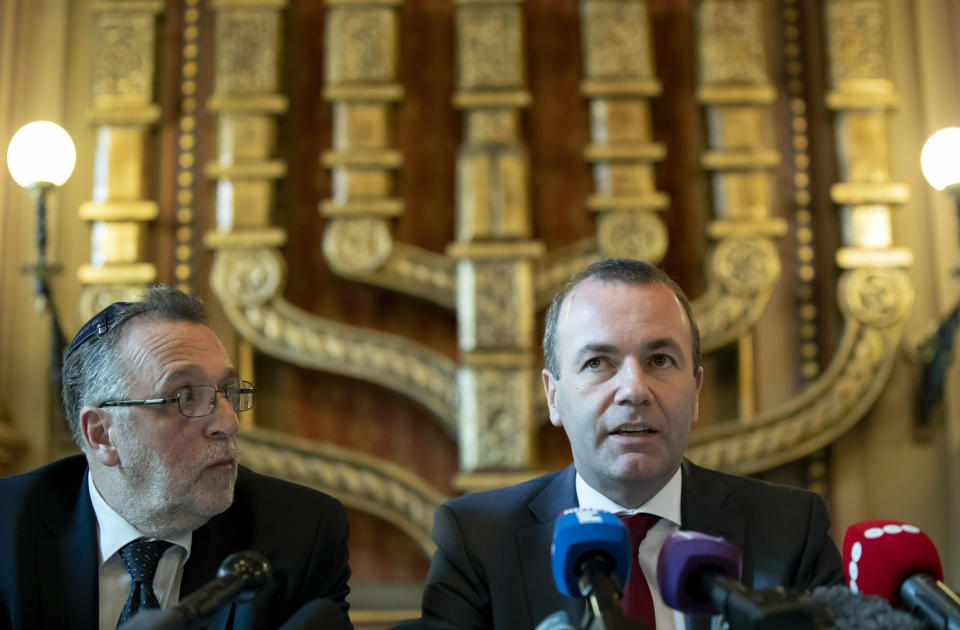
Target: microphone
896,561
241,577
850,611
591,556
700,574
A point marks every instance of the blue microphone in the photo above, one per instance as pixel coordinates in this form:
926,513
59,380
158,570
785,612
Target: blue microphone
582,535
591,557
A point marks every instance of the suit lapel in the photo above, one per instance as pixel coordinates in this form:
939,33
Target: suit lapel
210,545
67,565
702,506
702,509
533,548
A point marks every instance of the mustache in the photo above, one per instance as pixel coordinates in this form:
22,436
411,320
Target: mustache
221,453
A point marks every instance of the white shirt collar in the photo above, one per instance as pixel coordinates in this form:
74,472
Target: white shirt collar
115,532
665,503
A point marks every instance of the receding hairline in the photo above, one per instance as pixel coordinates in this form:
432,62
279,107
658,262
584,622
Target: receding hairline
563,308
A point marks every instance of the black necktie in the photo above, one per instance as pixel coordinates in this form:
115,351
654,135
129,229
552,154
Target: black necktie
141,558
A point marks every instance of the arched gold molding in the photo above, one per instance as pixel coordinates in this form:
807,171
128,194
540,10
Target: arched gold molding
414,271
875,303
247,282
360,481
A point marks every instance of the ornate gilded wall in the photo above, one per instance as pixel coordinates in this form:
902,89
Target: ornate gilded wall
379,198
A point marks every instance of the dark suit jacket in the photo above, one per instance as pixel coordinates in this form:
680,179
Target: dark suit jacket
49,549
492,566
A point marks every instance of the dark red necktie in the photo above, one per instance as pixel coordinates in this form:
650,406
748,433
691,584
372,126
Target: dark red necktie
637,602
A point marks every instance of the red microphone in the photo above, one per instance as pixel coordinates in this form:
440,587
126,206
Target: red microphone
879,555
898,562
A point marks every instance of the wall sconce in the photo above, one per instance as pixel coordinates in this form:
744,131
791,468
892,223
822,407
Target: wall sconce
41,157
940,163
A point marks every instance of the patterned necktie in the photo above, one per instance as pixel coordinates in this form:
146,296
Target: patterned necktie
141,558
637,602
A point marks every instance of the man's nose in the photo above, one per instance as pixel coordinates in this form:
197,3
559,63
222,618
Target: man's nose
223,421
632,383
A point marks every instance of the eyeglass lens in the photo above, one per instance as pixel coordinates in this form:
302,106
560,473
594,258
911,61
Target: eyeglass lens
200,400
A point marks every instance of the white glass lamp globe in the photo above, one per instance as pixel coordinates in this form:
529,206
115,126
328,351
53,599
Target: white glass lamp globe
940,158
41,152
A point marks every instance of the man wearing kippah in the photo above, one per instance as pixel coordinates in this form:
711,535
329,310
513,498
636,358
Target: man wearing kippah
156,501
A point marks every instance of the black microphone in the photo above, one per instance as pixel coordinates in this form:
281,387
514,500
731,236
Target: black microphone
241,577
700,574
850,611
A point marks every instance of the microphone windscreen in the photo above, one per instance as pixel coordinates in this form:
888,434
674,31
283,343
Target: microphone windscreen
580,533
682,556
252,567
851,611
879,555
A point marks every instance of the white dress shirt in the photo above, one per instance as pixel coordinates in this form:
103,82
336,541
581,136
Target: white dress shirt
114,532
666,505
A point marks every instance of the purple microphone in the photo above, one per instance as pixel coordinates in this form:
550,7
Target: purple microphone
687,558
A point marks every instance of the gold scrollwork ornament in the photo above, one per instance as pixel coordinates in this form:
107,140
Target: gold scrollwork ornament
247,276
877,297
746,265
355,245
632,234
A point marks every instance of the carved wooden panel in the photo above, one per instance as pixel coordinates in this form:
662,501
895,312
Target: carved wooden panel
381,197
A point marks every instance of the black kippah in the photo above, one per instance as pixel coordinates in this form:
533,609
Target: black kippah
97,326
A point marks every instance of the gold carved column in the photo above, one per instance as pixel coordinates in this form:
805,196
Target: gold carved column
620,84
737,98
493,247
123,113
246,101
861,95
361,82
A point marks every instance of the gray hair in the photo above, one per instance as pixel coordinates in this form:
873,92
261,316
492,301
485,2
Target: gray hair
614,270
92,371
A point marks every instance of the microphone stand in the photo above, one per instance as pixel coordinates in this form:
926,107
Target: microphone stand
599,584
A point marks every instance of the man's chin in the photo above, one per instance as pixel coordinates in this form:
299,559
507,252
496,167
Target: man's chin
640,468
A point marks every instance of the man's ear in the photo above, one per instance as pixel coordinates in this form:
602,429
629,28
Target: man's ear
95,426
696,405
550,389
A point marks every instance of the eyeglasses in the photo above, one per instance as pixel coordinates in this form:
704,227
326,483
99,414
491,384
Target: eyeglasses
197,401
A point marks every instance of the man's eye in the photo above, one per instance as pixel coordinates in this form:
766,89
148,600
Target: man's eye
593,364
661,360
187,394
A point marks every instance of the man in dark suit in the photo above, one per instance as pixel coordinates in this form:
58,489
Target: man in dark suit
622,377
157,500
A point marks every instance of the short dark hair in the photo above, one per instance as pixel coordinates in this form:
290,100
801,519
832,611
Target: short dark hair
614,270
91,368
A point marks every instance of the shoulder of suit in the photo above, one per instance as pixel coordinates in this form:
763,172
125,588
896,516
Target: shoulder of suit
741,486
49,491
503,499
63,476
265,490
